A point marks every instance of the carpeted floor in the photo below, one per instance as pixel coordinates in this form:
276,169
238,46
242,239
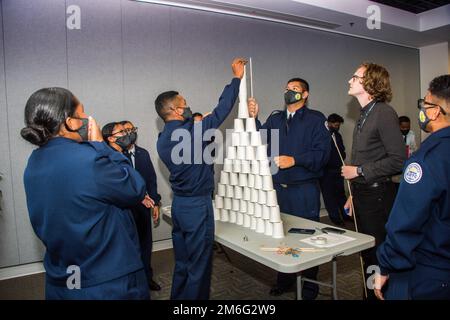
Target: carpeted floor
242,279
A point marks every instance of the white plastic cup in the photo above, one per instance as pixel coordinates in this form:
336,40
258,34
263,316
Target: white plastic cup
261,152
235,139
278,231
217,214
254,197
228,165
247,221
250,125
262,197
260,226
245,166
258,182
218,203
253,223
239,125
264,168
239,218
227,203
250,208
221,190
237,192
255,167
240,152
244,139
268,228
242,179
229,191
250,153
235,205
258,210
251,181
224,177
246,193
231,154
236,165
234,179
224,216
243,206
267,183
266,213
275,215
271,199
255,138
232,217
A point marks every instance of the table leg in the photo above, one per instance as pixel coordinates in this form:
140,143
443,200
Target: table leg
299,287
334,283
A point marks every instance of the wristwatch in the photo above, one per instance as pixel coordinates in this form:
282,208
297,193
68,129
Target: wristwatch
359,171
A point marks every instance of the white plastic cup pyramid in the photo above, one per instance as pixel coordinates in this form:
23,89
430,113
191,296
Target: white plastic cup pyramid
245,194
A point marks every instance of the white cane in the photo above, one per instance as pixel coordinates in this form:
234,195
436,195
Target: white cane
353,213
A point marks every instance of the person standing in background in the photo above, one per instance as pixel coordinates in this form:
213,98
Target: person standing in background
140,158
332,183
408,135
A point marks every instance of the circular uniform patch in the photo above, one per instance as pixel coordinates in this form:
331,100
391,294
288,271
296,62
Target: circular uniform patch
413,173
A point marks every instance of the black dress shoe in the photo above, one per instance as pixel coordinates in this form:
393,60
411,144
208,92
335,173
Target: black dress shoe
154,286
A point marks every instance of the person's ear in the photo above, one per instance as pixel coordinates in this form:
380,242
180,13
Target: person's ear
434,113
305,95
111,139
70,123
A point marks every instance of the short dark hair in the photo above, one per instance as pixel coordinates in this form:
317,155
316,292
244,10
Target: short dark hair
334,117
108,129
197,114
404,119
161,103
124,122
440,87
303,83
45,111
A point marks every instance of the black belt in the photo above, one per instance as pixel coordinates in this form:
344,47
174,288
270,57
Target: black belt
298,184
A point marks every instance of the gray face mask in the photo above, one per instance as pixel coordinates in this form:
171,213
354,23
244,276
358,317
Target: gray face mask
124,141
83,131
187,113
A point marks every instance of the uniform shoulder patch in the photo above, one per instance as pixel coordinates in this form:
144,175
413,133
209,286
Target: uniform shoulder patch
413,173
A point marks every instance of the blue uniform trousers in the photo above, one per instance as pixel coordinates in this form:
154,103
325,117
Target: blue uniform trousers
132,286
303,201
143,221
193,238
333,192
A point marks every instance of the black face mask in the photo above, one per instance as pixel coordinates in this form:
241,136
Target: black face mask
83,131
333,130
291,97
124,141
187,113
133,137
404,132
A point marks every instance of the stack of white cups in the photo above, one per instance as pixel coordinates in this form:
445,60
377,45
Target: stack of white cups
245,194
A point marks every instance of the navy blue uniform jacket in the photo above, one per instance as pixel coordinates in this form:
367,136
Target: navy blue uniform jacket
77,195
143,164
192,176
418,230
306,139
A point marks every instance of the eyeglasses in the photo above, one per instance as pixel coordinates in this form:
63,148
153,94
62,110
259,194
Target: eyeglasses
354,77
421,105
121,131
132,130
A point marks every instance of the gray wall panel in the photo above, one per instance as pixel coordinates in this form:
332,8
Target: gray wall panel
95,59
147,72
35,56
9,250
